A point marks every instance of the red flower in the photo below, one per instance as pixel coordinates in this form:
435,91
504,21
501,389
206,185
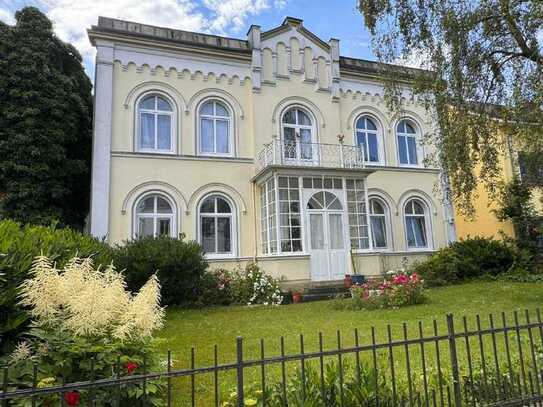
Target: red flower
401,279
72,398
130,367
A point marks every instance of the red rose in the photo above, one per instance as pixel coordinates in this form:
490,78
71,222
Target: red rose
72,398
130,367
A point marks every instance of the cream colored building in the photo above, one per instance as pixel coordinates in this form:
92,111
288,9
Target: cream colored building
272,148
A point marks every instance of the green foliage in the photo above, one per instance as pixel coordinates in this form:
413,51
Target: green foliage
483,79
45,125
19,245
467,259
180,265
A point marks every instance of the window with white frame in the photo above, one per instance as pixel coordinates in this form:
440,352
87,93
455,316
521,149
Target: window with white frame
268,217
416,224
358,216
379,223
367,139
216,225
289,214
155,124
215,124
154,217
297,134
407,143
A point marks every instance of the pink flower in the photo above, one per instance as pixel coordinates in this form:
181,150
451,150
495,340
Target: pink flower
130,367
401,279
72,398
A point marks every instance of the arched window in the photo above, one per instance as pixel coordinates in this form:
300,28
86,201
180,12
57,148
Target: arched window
215,123
154,217
155,124
407,143
367,138
298,130
216,225
379,223
416,223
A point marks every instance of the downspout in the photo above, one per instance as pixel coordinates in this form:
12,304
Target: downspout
255,240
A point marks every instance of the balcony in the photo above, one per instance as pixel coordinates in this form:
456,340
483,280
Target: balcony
297,154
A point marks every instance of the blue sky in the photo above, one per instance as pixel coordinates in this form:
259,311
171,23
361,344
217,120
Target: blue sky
325,18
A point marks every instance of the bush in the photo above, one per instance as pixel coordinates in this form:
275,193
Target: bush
180,265
19,245
467,259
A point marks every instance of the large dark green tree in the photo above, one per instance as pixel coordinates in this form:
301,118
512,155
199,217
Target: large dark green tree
45,125
486,63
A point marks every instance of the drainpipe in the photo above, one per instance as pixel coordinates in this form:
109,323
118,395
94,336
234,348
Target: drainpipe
255,240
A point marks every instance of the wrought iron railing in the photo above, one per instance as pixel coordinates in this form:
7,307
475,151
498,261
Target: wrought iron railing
295,153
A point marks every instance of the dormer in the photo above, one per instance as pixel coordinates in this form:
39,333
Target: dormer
292,52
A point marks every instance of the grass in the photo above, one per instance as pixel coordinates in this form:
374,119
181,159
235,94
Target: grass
205,328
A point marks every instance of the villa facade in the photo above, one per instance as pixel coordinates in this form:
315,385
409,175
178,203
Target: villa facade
272,148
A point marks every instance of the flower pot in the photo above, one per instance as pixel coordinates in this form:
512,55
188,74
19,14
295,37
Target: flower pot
296,297
358,279
347,281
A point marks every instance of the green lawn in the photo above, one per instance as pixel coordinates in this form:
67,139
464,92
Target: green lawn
202,329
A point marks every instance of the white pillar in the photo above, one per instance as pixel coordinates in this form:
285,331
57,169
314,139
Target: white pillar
101,146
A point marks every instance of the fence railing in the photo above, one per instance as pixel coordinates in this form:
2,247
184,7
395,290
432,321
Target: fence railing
464,364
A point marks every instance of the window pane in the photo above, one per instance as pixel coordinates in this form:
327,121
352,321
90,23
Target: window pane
376,207
336,231
289,117
220,110
317,231
403,150
148,103
164,132
147,130
412,147
303,118
417,208
307,148
208,234
401,127
163,206
163,105
208,206
164,227
409,128
361,142
206,138
289,140
223,235
420,231
145,227
222,136
147,205
223,206
410,226
207,109
361,123
370,125
372,147
378,229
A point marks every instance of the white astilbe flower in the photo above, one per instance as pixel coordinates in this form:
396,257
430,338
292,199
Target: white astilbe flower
91,302
22,352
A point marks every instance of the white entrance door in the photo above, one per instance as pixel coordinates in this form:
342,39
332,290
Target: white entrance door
327,243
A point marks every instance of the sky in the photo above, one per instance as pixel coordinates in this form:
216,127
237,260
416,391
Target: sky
325,18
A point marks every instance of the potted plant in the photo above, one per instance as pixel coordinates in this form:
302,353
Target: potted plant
355,278
358,279
297,296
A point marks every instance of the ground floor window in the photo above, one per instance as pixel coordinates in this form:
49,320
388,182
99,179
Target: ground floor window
154,217
268,217
216,225
358,215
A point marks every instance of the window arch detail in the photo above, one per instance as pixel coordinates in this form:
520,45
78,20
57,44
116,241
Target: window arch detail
217,225
417,224
155,123
215,128
154,215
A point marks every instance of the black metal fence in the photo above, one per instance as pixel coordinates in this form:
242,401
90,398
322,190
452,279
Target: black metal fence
466,364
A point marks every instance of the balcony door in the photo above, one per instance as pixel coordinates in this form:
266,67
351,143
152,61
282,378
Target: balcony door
326,238
298,128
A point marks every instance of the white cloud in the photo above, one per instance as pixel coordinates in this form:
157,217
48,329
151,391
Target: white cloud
7,16
233,13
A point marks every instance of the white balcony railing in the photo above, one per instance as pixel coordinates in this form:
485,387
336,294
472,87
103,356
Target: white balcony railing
281,152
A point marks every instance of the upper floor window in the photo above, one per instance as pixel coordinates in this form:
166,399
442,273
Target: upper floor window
416,224
155,129
297,134
215,123
154,217
216,225
367,138
379,223
407,143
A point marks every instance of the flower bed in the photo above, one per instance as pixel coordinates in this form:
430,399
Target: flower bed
399,290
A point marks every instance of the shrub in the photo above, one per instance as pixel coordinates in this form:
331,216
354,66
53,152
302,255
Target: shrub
19,245
86,325
180,266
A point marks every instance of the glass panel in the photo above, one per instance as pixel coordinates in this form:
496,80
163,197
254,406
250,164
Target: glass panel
307,183
148,103
336,231
296,245
223,235
147,131
361,142
327,183
293,182
417,207
360,123
338,184
370,125
289,139
409,128
220,110
283,182
164,227
401,127
376,207
206,138
207,108
223,145
208,206
307,148
290,117
319,197
317,183
378,229
164,132
303,118
403,150
372,147
163,105
420,231
335,205
317,231
313,204
223,206
146,227
412,148
208,234
147,205
162,205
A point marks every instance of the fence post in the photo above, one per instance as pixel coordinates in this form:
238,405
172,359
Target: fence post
239,347
454,361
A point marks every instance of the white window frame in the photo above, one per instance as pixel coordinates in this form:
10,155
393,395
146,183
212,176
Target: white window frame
297,127
379,137
417,136
279,214
386,217
358,214
154,215
427,224
173,123
215,118
233,225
